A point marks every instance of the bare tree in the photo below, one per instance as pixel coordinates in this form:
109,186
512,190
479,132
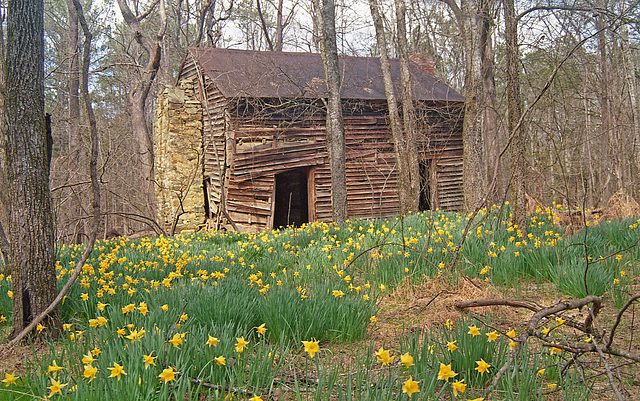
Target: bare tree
275,36
475,25
28,155
137,97
404,142
326,21
75,157
514,108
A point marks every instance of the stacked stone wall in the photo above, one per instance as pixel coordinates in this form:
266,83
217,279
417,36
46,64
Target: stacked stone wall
178,158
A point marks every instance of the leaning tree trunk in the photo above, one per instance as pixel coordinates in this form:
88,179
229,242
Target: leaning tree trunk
28,156
326,20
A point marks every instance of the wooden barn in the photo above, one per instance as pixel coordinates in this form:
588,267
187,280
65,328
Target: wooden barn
240,140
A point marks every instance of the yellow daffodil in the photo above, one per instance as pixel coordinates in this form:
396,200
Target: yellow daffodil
555,350
10,294
184,317
452,346
311,347
220,360
492,336
410,386
84,296
56,387
473,330
445,372
511,333
149,360
165,307
96,351
261,329
167,375
136,335
406,359
9,379
212,341
512,344
128,308
559,321
458,387
373,319
54,368
90,372
88,358
449,324
384,356
117,370
255,398
541,372
40,327
143,308
101,306
177,339
240,344
338,293
482,366
545,331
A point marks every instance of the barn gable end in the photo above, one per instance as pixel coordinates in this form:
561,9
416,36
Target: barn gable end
263,160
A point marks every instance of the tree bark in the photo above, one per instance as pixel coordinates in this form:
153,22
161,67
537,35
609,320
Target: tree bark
28,157
326,21
408,111
514,105
401,146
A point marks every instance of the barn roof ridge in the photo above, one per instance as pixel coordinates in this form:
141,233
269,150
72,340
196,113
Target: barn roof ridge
265,74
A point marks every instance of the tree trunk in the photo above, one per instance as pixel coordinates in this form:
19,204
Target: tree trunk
518,144
408,111
491,133
399,139
28,156
473,142
604,97
326,21
139,92
74,231
471,24
629,74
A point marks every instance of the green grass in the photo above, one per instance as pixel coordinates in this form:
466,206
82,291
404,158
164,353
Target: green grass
321,282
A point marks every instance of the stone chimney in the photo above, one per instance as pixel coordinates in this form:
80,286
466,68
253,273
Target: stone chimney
423,61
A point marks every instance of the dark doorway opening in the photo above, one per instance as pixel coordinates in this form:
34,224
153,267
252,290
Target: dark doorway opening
291,198
425,185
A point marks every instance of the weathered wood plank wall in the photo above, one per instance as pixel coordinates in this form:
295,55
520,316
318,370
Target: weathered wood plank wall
249,141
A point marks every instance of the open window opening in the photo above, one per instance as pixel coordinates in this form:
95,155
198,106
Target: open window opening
291,198
425,185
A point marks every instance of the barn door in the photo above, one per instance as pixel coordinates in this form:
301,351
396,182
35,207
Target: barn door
291,198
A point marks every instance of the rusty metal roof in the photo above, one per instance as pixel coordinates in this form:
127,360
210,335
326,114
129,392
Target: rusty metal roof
257,74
